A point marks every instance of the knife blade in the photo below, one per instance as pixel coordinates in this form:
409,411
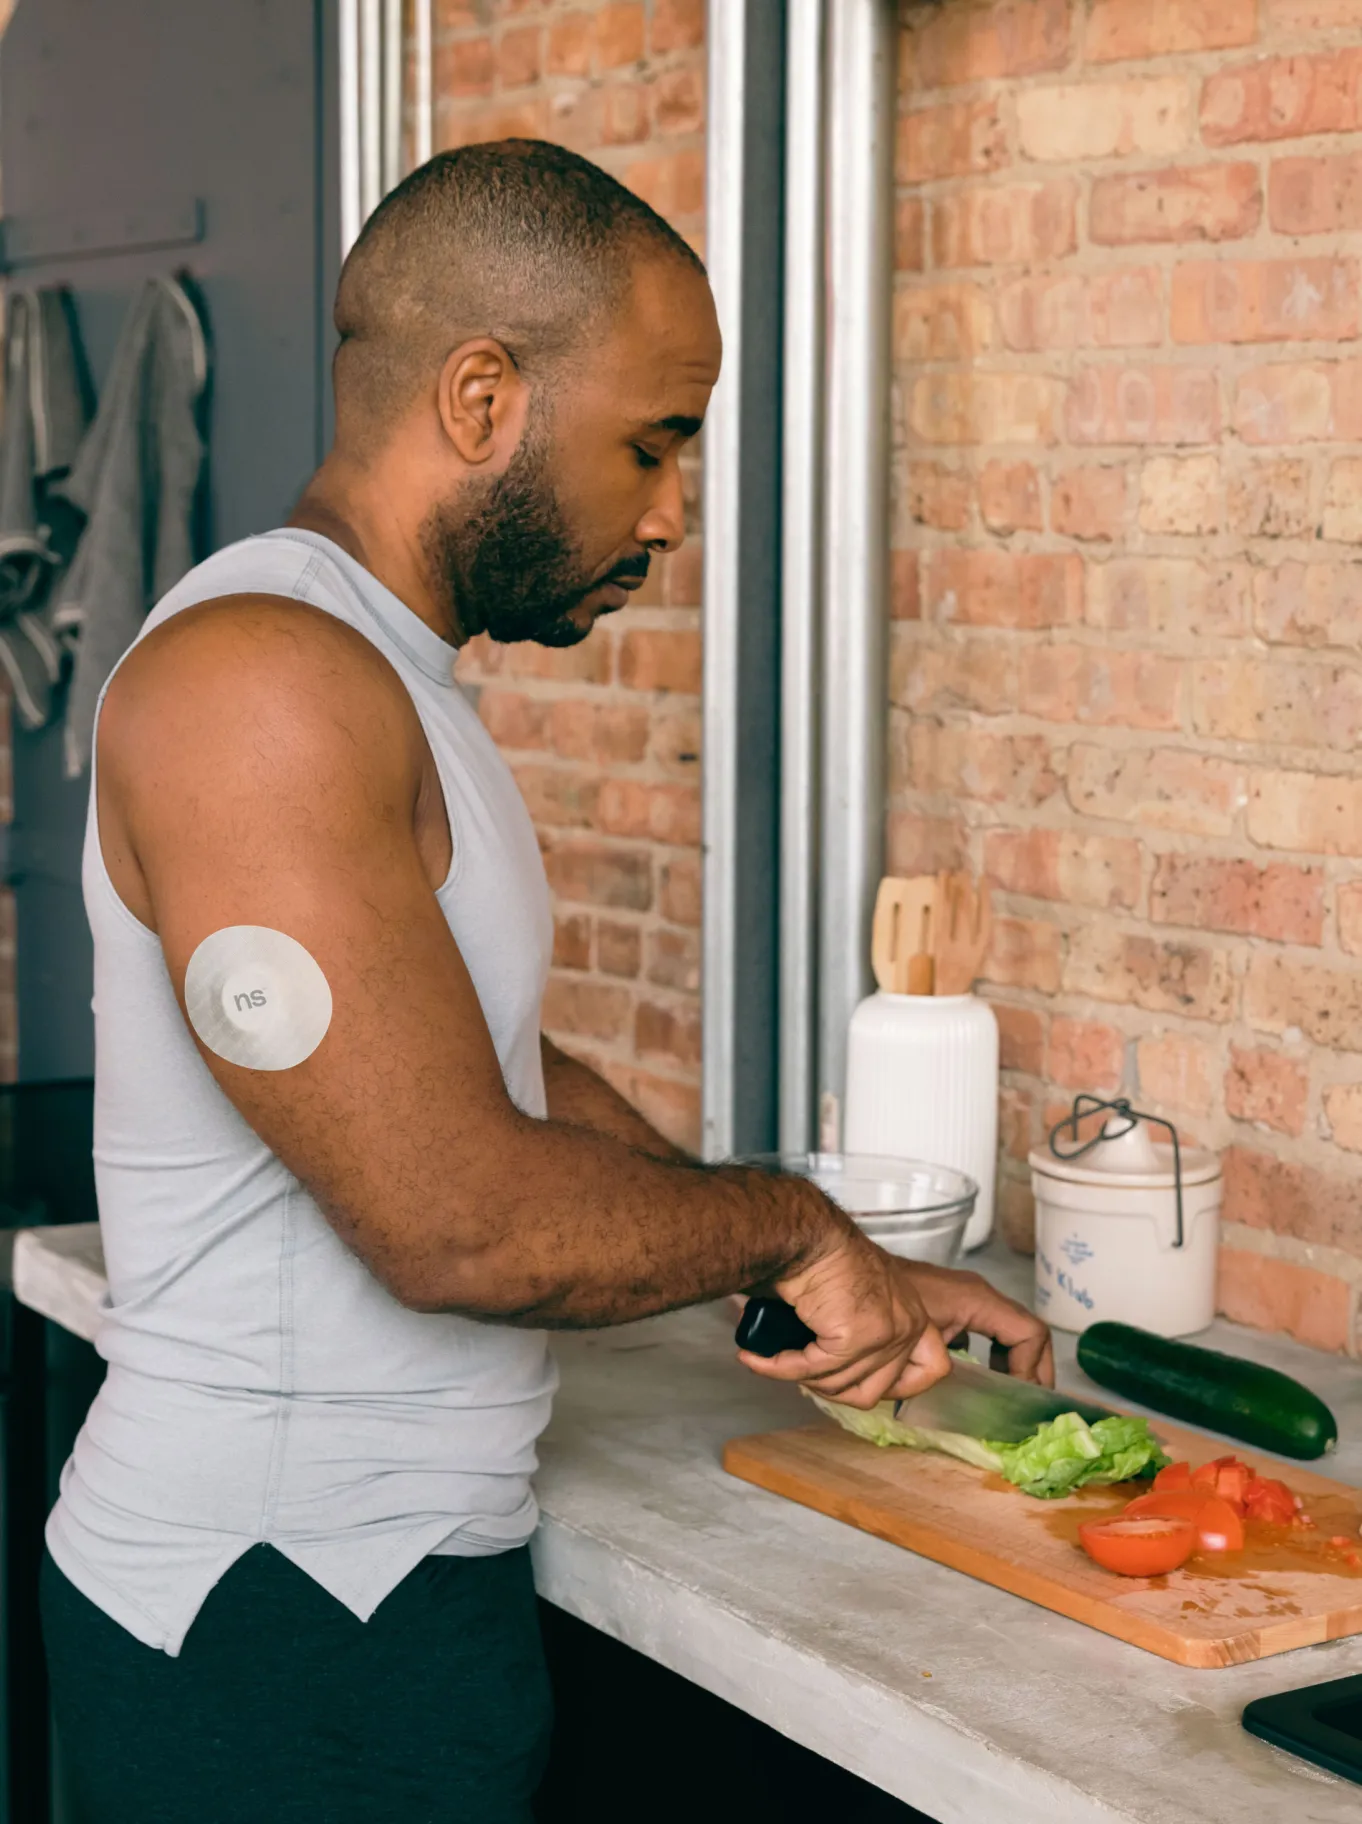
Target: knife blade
984,1404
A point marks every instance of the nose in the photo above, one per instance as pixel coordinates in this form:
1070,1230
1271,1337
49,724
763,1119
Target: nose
663,525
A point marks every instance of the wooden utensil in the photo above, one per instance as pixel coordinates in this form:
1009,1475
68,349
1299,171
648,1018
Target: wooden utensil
963,930
922,964
1266,1599
896,936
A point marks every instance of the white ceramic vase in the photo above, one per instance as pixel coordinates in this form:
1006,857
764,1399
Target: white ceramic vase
922,1083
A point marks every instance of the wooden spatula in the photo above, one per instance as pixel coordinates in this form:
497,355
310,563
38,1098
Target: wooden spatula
903,910
922,964
963,930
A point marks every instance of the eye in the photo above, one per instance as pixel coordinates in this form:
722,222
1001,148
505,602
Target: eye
646,459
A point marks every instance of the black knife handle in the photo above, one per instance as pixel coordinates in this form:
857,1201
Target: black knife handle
769,1325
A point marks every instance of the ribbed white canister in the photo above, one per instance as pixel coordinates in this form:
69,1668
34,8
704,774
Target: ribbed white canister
922,1083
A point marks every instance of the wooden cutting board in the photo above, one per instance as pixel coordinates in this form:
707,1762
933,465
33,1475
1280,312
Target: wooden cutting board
1286,1589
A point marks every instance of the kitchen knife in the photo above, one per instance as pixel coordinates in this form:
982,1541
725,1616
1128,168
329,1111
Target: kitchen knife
971,1399
984,1404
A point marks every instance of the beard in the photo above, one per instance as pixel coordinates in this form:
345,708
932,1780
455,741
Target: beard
506,562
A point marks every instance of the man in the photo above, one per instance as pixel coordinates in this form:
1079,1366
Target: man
344,1185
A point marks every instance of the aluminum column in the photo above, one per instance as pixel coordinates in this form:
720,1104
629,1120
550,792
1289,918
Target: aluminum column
351,180
371,107
394,56
860,102
423,117
801,556
741,781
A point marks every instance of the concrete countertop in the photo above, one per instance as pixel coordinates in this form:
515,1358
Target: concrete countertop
971,1704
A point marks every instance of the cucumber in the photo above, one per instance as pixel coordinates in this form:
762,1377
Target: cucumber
1221,1392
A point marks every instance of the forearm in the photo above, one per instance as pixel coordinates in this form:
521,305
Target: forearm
577,1095
648,1236
562,1227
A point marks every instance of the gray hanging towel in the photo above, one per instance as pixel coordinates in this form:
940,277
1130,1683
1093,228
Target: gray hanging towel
44,421
135,480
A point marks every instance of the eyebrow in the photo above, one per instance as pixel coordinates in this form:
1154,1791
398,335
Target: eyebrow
678,422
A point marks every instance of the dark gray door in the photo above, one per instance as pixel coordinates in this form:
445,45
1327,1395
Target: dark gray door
121,123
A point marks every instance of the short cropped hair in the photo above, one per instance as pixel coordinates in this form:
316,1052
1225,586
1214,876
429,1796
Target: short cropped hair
516,239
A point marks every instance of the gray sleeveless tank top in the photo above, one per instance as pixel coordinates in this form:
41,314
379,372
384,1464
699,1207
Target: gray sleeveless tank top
262,1385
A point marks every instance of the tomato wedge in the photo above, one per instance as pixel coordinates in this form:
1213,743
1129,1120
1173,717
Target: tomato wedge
1140,1545
1270,1500
1218,1527
1174,1475
1232,1482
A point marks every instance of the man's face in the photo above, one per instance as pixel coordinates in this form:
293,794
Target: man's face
567,530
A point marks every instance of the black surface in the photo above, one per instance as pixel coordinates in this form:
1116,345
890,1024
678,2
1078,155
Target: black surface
633,1740
1320,1723
46,1170
46,1384
28,1742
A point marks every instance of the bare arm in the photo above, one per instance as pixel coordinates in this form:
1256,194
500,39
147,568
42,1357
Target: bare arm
261,764
577,1094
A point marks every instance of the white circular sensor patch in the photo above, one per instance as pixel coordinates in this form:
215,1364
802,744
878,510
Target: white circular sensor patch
257,998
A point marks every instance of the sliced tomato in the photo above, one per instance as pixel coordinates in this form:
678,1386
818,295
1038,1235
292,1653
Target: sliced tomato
1223,1476
1174,1475
1218,1527
1232,1482
1139,1545
1270,1500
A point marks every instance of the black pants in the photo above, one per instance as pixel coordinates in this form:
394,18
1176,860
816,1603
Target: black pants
283,1709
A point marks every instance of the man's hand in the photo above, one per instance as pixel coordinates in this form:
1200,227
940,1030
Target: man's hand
882,1326
875,1339
960,1302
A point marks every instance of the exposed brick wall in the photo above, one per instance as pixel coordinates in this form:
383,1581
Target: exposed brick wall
1127,647
605,738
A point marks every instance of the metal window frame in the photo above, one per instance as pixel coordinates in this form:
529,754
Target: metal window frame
859,274
351,186
801,567
832,621
372,57
423,112
741,565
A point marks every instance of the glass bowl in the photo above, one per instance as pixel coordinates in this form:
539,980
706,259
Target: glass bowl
906,1207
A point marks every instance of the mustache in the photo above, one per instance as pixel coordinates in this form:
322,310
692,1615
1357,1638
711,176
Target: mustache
626,567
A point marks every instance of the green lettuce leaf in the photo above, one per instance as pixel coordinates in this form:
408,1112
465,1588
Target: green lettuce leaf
1067,1453
1063,1454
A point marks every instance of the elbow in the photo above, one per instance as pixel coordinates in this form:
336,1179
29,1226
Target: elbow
461,1253
467,1282
422,1279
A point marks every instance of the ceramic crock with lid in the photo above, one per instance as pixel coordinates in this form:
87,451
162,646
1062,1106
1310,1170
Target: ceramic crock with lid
1127,1223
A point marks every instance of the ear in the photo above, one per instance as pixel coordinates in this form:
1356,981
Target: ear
482,402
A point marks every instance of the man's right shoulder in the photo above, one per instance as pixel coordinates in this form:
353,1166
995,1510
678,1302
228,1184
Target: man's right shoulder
236,675
247,631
